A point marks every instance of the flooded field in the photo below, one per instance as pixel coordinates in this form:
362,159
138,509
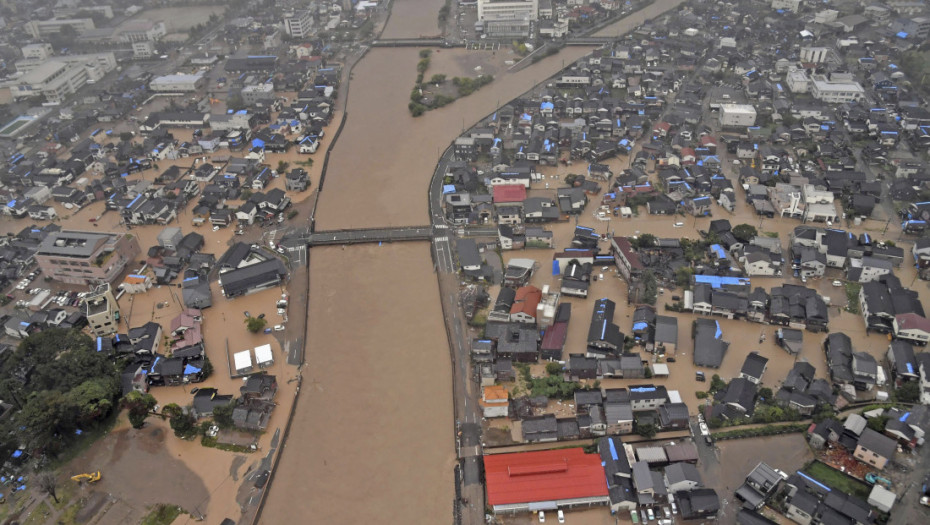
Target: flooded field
179,19
372,436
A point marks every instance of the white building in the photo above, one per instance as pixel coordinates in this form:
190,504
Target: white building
144,49
797,81
257,93
177,83
37,51
142,30
508,17
298,24
41,28
815,54
55,80
835,90
737,115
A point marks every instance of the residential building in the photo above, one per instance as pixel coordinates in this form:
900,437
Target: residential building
102,311
495,401
874,449
85,258
42,28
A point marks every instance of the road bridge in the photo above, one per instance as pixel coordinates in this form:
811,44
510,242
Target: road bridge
589,41
368,235
412,42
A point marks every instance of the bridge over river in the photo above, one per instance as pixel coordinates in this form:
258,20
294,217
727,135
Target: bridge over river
360,236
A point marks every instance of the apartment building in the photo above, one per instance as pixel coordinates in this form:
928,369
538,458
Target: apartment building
42,28
298,24
86,258
102,311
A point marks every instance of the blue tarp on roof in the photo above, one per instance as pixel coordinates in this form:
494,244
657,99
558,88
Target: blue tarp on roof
190,369
904,417
643,389
716,281
910,368
17,453
718,250
719,333
258,143
613,449
448,188
640,326
555,268
99,344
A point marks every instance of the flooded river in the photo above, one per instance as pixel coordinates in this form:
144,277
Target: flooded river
372,434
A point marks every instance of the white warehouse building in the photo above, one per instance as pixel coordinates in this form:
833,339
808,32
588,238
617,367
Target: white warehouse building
177,83
737,115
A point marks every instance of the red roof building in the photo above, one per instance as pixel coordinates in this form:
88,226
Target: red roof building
509,193
545,480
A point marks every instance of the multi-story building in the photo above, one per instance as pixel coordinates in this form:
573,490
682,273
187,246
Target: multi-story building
257,93
815,54
37,51
102,311
143,49
737,115
77,257
142,30
298,24
61,76
790,5
836,89
508,18
41,28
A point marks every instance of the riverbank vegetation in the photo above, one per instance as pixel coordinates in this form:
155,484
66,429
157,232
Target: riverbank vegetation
437,92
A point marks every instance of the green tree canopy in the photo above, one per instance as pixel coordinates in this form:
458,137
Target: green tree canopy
255,324
745,232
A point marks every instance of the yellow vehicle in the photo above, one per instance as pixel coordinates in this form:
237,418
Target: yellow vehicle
95,476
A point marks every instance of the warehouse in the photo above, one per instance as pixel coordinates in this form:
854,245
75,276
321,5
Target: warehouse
177,83
737,115
544,480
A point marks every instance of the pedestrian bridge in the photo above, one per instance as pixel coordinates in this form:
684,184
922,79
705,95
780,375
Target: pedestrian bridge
369,235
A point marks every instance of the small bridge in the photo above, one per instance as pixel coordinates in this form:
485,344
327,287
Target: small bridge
331,237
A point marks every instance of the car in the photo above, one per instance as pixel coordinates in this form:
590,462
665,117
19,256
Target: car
542,517
261,316
561,516
837,283
247,314
213,431
667,511
803,278
261,479
674,508
700,376
670,359
279,328
651,514
925,501
216,228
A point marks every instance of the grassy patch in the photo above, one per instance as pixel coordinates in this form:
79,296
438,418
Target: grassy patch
838,480
38,514
852,296
212,442
162,515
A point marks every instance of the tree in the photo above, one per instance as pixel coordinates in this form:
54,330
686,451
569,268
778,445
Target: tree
908,392
125,136
877,423
683,277
745,232
648,373
650,287
553,368
222,415
766,396
255,324
437,79
139,406
646,240
48,483
648,430
716,384
282,166
181,422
